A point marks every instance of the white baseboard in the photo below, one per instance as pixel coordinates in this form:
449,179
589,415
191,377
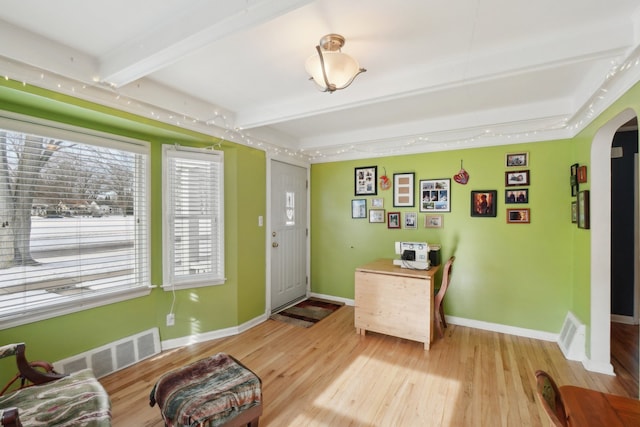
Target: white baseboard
487,326
504,329
345,301
212,335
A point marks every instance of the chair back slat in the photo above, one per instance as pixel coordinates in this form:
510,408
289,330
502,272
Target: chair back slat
551,399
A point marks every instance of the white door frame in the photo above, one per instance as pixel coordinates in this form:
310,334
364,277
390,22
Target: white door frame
268,239
599,358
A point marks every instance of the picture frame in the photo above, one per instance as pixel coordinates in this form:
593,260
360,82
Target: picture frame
393,219
403,189
377,202
574,212
516,178
516,196
582,174
483,203
376,215
519,216
583,209
411,220
366,181
573,180
516,160
435,195
359,208
433,221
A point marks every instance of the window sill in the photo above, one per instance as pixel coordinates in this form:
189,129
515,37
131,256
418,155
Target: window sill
191,285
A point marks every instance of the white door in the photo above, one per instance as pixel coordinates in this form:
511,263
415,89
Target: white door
288,234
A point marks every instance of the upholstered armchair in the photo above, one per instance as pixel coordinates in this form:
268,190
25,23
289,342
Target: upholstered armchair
46,398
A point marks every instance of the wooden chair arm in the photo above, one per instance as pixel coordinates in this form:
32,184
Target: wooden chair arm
9,418
27,370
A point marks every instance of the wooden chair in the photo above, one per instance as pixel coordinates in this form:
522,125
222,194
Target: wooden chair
438,310
551,399
45,397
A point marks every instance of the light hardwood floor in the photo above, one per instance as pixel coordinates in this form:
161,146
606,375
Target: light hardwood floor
327,375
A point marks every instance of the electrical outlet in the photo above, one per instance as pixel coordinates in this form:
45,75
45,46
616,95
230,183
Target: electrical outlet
171,319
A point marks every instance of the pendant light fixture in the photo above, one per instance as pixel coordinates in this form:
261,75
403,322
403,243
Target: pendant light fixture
331,69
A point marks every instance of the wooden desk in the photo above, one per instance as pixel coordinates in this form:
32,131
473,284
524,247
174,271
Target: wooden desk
395,301
585,407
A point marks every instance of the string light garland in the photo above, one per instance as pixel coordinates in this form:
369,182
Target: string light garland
622,75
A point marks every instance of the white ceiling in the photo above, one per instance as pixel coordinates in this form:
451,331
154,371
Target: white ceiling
440,74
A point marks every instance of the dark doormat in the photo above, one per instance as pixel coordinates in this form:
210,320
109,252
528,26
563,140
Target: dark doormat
307,313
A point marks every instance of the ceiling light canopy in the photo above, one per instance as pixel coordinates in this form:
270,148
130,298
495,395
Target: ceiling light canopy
331,69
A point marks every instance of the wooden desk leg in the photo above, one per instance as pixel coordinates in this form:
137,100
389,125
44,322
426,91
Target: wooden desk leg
427,344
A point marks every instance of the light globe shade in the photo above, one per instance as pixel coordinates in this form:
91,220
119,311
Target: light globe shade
341,69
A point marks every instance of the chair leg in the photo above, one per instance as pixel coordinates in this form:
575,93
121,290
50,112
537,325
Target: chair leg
444,322
254,422
438,324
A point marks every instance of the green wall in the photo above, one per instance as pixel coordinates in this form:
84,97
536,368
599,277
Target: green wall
198,310
503,272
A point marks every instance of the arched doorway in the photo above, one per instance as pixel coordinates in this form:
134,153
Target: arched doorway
599,359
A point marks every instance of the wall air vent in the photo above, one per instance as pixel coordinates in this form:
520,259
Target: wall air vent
572,338
114,356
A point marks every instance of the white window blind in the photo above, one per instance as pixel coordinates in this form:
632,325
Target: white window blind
193,217
74,227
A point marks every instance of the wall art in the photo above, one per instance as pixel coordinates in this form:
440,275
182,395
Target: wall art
403,189
583,209
366,181
433,221
520,195
483,203
517,160
518,216
359,208
435,195
393,220
411,220
515,178
376,215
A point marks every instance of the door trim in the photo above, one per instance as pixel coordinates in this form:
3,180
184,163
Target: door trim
270,158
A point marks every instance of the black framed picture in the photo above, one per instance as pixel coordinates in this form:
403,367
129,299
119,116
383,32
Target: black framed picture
515,178
513,196
403,189
483,203
573,180
517,160
366,181
583,209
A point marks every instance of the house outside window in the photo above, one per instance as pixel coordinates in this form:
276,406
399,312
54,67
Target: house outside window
193,217
74,220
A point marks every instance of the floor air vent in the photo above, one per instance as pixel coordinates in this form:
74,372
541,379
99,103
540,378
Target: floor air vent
114,356
572,338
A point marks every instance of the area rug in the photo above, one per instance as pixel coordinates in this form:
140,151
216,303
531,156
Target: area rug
307,313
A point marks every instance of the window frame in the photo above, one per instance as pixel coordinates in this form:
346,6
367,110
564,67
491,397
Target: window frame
50,129
171,281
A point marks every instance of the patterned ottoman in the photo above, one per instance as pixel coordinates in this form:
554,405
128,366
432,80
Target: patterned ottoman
217,391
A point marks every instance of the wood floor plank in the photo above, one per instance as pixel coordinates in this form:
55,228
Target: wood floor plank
329,375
